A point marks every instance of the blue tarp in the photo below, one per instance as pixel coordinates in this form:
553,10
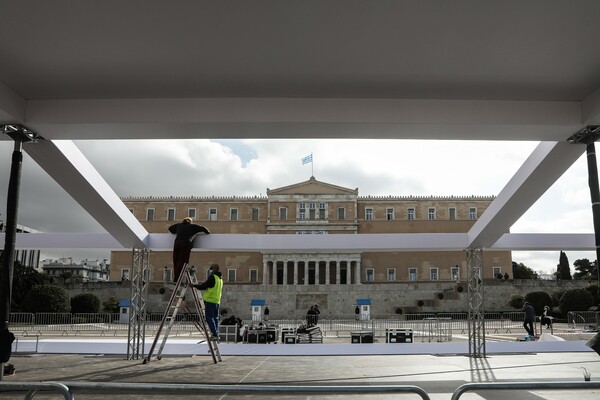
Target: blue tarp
363,302
255,302
125,303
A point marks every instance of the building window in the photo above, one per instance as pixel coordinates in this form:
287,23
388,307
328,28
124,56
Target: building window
472,213
433,274
125,274
370,275
302,215
212,214
368,214
171,214
412,274
167,273
253,275
454,273
231,275
341,213
312,214
322,214
452,213
311,206
302,206
233,214
390,214
150,214
431,213
192,213
391,274
410,214
496,271
254,215
283,213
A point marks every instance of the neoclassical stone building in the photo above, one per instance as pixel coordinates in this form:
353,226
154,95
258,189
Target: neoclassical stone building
317,208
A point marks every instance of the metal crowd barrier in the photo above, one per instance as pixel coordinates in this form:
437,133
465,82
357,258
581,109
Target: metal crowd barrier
523,385
137,388
33,387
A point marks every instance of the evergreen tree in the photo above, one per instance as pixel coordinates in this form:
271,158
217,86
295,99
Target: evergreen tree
563,269
521,271
586,270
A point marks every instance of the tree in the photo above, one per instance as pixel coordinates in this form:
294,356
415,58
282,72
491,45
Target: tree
521,271
575,300
111,305
47,298
24,278
85,303
563,269
538,300
586,270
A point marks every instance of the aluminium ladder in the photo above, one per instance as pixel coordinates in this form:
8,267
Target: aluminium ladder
176,302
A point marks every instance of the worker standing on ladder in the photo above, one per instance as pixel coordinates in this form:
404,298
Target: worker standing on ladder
182,247
213,289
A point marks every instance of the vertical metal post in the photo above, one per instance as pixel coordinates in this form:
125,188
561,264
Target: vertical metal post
595,196
20,135
475,294
588,136
137,312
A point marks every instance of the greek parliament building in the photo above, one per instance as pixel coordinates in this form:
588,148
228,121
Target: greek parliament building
316,208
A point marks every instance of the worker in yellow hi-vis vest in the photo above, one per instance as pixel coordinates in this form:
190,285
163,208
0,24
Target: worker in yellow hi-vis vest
213,289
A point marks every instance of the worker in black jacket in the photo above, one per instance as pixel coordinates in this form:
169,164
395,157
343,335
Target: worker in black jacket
182,247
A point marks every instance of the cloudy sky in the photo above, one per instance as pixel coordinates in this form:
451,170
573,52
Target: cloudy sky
249,167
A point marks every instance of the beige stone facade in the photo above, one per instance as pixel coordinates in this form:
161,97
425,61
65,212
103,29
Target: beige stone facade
315,207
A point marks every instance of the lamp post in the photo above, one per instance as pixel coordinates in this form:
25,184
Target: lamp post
20,135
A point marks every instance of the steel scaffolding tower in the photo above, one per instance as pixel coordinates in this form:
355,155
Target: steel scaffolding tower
137,312
475,295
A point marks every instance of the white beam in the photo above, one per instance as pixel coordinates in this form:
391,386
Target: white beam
545,165
303,118
63,161
590,108
12,107
399,242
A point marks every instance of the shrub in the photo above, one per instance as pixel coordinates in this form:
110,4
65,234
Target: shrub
575,300
46,298
538,300
111,305
85,303
593,289
556,296
516,301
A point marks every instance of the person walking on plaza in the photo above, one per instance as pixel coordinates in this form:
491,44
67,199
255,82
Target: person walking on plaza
529,318
213,290
182,247
266,313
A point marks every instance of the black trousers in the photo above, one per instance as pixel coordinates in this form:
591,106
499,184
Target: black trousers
181,256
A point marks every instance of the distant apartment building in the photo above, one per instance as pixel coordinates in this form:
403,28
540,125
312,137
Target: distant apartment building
67,269
318,208
29,257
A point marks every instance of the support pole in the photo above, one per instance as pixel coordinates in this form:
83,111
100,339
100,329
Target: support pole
139,278
588,136
475,295
20,135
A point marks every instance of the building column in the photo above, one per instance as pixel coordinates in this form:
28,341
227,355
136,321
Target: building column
295,272
338,266
274,274
327,271
306,272
285,272
357,274
265,273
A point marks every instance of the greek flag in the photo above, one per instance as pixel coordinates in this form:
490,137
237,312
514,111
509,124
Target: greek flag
307,159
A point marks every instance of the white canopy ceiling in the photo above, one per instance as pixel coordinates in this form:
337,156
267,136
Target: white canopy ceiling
485,70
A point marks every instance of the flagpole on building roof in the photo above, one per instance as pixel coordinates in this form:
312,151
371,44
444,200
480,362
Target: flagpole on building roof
312,165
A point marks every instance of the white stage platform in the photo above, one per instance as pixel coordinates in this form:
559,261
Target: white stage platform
190,347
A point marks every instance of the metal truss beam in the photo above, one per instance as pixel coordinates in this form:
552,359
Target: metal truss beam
475,295
137,311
